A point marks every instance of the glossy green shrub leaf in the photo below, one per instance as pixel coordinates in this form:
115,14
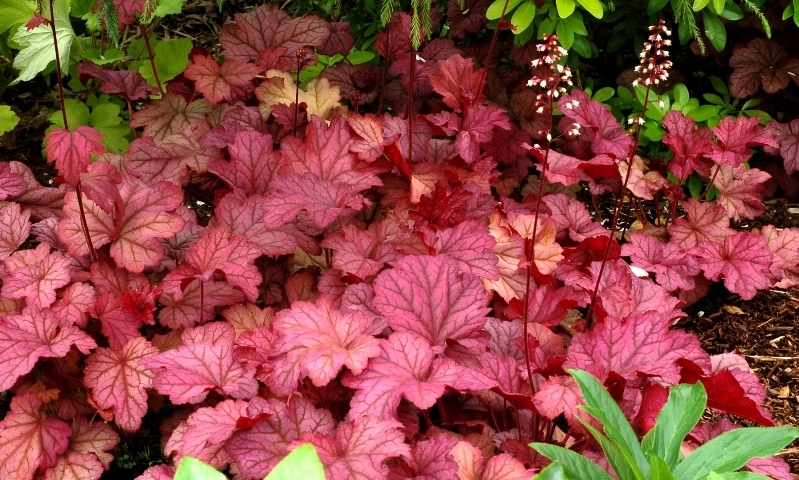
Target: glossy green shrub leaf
192,469
495,10
565,34
8,119
523,16
656,6
301,464
695,185
732,12
718,6
565,7
603,94
714,30
700,4
594,7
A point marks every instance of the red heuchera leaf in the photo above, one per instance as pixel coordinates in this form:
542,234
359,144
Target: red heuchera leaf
268,27
372,139
573,217
641,344
653,398
33,334
218,252
739,191
643,183
316,340
688,144
675,267
11,182
128,9
258,449
72,151
128,83
15,226
76,466
787,136
407,366
735,136
253,163
547,305
429,460
563,169
784,243
202,363
359,448
40,201
30,440
559,395
431,297
185,312
704,222
99,184
458,82
359,252
761,61
230,82
123,316
339,42
469,19
468,243
597,124
118,381
95,438
475,127
134,236
742,259
472,465
35,275
169,115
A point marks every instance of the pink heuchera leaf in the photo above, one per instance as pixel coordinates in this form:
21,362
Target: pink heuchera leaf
316,340
641,344
95,438
253,163
597,124
119,381
15,226
158,472
169,115
268,27
471,464
559,395
230,82
122,316
743,260
76,466
248,316
11,182
429,460
134,236
258,449
688,144
30,440
359,448
642,183
675,267
761,61
358,252
458,82
33,334
35,275
787,136
72,151
547,304
563,169
372,139
431,297
784,243
468,243
739,191
218,252
185,312
128,83
74,304
475,127
40,201
735,136
573,217
407,366
704,222
202,363
99,184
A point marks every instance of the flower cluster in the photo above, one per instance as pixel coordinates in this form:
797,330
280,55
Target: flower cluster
654,57
552,82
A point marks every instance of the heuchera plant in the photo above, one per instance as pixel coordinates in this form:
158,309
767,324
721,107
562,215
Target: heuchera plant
391,288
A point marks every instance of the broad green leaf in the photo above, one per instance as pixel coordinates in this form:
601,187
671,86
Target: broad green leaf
575,466
601,405
104,117
700,4
192,469
703,113
565,34
695,185
658,470
718,6
15,12
744,475
495,10
788,12
656,6
77,114
169,7
731,450
8,119
554,471
565,7
603,94
359,56
37,45
732,12
714,99
171,59
714,30
719,85
678,416
681,94
523,16
594,7
301,464
621,465
583,47
576,23
764,117
752,102
110,55
79,8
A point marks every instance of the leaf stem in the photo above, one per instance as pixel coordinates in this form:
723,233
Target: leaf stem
58,66
151,55
385,70
491,47
412,69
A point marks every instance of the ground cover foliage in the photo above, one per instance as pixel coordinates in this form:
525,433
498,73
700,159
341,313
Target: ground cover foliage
398,272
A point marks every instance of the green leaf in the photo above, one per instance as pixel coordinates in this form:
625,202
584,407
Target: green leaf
678,416
576,23
594,7
695,185
732,12
603,94
731,450
574,465
719,85
37,45
752,102
658,468
171,59
714,30
714,99
104,117
169,7
582,46
192,469
565,7
554,471
764,117
704,113
15,12
495,10
736,476
656,6
601,406
359,56
523,16
77,114
681,94
79,8
8,119
565,34
700,4
110,55
302,463
718,6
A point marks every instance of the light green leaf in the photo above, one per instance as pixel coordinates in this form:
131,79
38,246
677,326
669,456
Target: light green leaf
732,12
656,6
731,450
110,55
681,94
718,6
104,117
658,468
359,56
37,45
565,34
169,7
301,464
79,8
565,7
574,465
576,23
77,114
700,4
678,416
193,469
736,476
495,10
554,471
8,119
603,94
594,7
15,12
523,16
714,30
171,59
703,113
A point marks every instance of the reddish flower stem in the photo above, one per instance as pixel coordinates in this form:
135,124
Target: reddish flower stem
151,55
